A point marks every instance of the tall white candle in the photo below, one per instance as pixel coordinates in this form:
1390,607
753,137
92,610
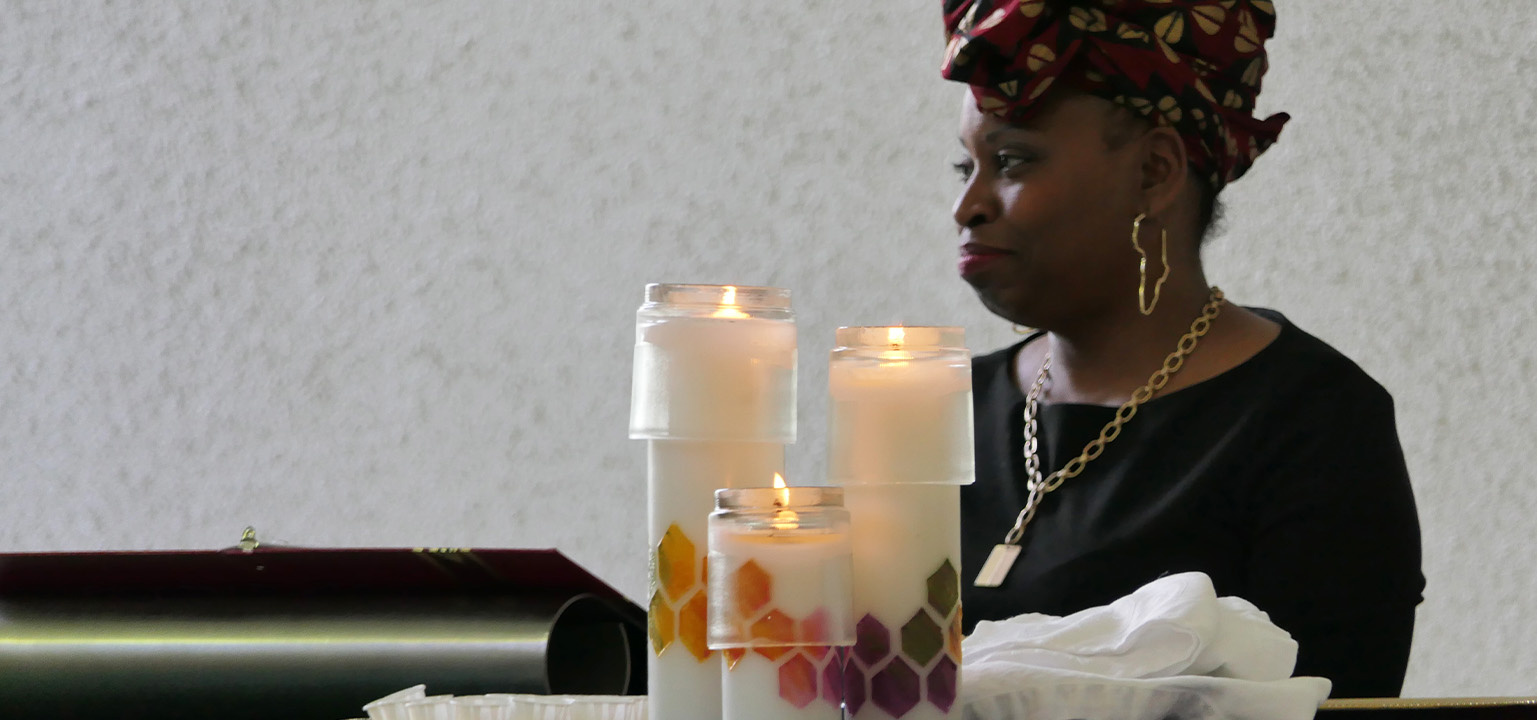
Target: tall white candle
900,443
780,601
714,393
684,677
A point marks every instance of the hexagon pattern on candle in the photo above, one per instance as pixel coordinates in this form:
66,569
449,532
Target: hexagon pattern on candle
676,558
661,623
694,626
679,602
922,638
806,672
832,680
896,688
942,683
753,586
798,681
773,634
898,667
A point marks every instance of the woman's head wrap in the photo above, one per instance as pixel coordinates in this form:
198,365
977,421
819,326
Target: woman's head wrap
1193,65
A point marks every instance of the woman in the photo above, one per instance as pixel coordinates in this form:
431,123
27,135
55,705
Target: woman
1158,427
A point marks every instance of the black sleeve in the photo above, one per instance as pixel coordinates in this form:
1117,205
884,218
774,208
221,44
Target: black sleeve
1335,551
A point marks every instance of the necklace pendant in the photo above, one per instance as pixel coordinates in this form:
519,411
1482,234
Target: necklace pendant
997,567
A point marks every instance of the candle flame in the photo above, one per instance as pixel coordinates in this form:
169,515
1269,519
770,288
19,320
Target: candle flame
784,519
728,307
897,336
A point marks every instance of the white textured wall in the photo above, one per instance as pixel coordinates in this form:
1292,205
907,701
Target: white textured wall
363,273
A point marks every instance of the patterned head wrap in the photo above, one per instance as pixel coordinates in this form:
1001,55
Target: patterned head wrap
1193,65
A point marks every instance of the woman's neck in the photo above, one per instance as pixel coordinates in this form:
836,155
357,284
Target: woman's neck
1104,359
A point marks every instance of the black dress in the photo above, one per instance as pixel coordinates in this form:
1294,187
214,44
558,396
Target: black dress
1282,479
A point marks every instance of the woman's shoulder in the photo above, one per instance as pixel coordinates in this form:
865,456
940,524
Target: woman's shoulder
1301,364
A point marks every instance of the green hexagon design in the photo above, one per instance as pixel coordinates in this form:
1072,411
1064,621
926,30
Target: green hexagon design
944,589
922,639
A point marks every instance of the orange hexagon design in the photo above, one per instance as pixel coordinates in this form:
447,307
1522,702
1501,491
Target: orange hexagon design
798,681
954,641
675,562
733,656
659,624
754,587
692,624
774,632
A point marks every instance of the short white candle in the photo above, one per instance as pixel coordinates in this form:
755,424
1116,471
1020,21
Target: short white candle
781,601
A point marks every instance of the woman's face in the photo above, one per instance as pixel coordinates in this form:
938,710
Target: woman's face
1045,216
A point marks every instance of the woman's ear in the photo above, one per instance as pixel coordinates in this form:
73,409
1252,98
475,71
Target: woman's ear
1164,170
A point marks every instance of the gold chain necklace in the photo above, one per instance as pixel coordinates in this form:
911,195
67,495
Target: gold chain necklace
1003,556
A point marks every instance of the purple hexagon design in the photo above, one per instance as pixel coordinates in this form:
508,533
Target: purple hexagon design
854,688
832,679
896,688
872,641
942,683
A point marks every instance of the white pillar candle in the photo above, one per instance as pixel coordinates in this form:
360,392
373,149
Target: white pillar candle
907,560
900,443
780,601
714,392
684,677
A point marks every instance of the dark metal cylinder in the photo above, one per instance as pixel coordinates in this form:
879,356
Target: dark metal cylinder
296,657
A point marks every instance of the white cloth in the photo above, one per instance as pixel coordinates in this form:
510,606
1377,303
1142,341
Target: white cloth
1172,649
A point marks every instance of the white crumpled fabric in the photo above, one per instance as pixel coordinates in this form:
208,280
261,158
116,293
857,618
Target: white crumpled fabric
1172,649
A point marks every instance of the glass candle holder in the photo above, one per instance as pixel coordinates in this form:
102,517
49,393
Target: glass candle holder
781,601
714,362
901,406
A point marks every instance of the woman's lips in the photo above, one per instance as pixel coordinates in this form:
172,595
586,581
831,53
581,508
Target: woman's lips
975,257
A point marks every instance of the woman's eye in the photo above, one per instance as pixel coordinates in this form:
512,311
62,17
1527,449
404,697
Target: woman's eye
1010,161
962,168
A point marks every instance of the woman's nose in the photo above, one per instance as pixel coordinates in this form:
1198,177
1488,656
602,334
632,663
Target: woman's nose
975,206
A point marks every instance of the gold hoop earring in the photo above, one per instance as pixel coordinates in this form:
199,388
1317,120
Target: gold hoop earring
1021,329
1136,230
